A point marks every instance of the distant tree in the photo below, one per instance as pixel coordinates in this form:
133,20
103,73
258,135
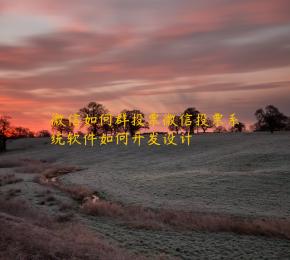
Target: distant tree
239,127
132,125
193,112
80,133
43,133
5,127
220,129
93,109
287,127
177,124
21,132
270,119
107,128
65,127
115,128
209,125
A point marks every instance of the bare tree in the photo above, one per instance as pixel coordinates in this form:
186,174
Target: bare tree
209,124
93,110
270,119
220,129
5,127
64,126
21,132
177,124
115,128
136,121
43,133
238,127
193,113
287,127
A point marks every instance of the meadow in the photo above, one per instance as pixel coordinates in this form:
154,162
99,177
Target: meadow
224,196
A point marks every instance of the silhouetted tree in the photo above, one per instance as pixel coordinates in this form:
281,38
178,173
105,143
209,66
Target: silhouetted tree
193,112
65,127
239,127
43,133
175,128
209,123
21,132
93,109
115,128
220,129
270,119
107,128
287,127
132,125
4,130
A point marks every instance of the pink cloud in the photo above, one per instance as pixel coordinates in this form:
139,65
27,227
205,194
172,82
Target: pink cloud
153,44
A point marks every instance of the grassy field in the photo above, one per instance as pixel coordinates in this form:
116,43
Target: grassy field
225,196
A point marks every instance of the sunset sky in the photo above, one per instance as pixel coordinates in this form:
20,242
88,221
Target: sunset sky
155,55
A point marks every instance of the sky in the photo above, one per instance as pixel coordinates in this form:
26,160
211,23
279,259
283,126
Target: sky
155,55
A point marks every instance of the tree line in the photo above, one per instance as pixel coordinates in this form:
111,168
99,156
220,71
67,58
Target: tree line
268,119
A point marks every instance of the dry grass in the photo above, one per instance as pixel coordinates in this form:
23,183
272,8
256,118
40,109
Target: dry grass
66,217
19,208
140,217
7,163
31,167
9,179
48,172
46,169
56,171
26,234
77,192
12,193
66,206
24,165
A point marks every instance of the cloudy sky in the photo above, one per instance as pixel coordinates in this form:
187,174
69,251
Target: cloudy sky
156,55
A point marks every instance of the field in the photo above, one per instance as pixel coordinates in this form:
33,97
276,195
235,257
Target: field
226,196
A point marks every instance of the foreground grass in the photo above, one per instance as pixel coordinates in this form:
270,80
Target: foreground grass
27,234
161,219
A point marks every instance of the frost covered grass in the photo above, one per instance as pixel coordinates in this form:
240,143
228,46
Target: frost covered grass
241,174
28,234
223,189
157,219
7,179
145,218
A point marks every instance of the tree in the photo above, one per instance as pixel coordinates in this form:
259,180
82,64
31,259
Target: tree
209,123
287,127
193,113
107,127
238,127
4,131
220,129
80,133
21,132
270,119
177,124
64,127
92,110
115,128
136,121
43,133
